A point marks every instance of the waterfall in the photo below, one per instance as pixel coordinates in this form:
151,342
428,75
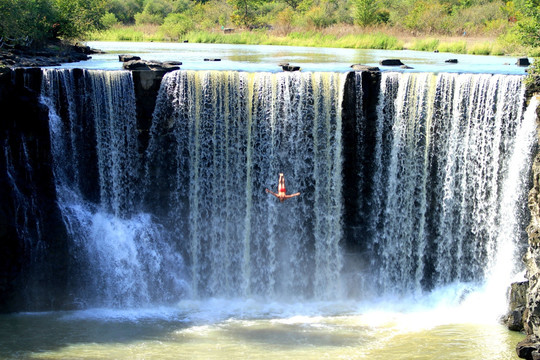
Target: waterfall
122,257
227,136
450,185
441,177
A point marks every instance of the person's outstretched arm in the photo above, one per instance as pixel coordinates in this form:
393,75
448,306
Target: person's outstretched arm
273,193
292,195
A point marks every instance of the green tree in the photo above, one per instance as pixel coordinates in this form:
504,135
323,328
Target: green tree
176,25
245,12
26,19
365,12
125,10
527,27
77,17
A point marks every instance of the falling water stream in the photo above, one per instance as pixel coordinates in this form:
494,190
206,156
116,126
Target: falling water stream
177,251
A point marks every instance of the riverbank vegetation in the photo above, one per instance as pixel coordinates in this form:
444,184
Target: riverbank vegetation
461,26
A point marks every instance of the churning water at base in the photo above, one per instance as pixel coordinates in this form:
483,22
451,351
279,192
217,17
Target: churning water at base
216,329
188,218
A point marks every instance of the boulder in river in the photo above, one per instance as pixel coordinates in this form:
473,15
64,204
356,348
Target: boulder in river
152,65
390,62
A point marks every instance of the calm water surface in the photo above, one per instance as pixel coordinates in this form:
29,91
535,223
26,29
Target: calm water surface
267,57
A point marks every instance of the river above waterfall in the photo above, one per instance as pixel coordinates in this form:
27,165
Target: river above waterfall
255,58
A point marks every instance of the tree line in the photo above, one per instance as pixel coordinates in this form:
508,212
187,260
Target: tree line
43,19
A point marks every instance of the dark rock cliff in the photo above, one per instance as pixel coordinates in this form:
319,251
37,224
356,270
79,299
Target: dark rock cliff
33,250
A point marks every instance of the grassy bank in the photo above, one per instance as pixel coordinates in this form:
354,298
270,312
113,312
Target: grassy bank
341,37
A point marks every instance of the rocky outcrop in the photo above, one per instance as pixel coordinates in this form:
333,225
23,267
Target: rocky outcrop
360,67
52,54
152,65
523,62
390,62
528,348
290,68
516,306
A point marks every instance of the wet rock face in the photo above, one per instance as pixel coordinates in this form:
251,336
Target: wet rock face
517,305
532,311
529,348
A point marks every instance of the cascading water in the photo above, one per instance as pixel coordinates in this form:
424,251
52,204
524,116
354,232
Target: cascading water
443,198
227,135
449,189
122,257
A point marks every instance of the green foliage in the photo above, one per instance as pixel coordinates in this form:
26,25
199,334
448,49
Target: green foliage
365,12
154,12
326,22
77,17
176,25
458,47
145,18
125,10
319,18
108,20
40,20
480,49
245,12
20,19
429,17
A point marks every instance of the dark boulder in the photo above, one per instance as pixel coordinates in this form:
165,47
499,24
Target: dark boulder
526,347
290,68
516,306
523,62
126,58
451,61
390,62
152,65
212,59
